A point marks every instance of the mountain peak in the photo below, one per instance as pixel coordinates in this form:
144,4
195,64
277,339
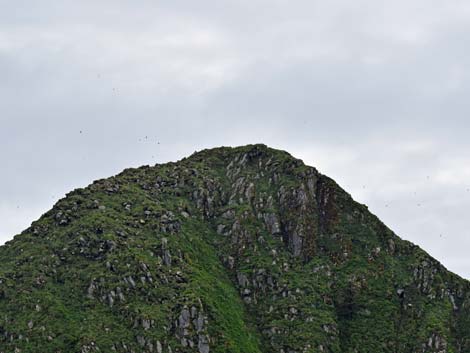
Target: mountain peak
241,249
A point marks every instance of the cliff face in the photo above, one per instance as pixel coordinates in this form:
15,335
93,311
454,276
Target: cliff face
230,250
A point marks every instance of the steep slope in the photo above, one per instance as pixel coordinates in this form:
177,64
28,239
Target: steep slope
230,250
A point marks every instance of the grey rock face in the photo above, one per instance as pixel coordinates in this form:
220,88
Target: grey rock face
272,223
184,318
295,243
203,344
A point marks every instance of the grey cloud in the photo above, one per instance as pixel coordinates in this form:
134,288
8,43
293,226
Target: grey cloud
374,94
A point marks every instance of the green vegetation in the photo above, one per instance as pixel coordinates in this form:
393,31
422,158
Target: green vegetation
229,250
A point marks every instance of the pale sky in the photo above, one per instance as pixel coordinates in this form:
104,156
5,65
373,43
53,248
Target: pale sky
374,94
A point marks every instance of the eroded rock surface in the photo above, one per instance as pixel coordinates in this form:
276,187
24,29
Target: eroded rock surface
230,250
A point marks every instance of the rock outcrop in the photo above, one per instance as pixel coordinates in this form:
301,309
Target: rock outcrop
229,250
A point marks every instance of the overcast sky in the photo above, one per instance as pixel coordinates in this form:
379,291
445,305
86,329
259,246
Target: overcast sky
372,93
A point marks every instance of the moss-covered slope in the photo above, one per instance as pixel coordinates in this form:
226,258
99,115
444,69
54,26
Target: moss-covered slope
230,250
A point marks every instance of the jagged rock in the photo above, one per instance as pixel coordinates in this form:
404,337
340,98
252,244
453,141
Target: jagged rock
220,229
203,344
243,249
272,223
184,318
231,262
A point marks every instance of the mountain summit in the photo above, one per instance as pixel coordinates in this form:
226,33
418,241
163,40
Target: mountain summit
229,250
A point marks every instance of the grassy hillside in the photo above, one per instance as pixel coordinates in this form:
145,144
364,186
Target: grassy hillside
230,250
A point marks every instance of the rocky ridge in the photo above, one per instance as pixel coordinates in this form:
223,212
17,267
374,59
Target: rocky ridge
229,250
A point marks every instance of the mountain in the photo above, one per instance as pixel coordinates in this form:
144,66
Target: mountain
229,250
